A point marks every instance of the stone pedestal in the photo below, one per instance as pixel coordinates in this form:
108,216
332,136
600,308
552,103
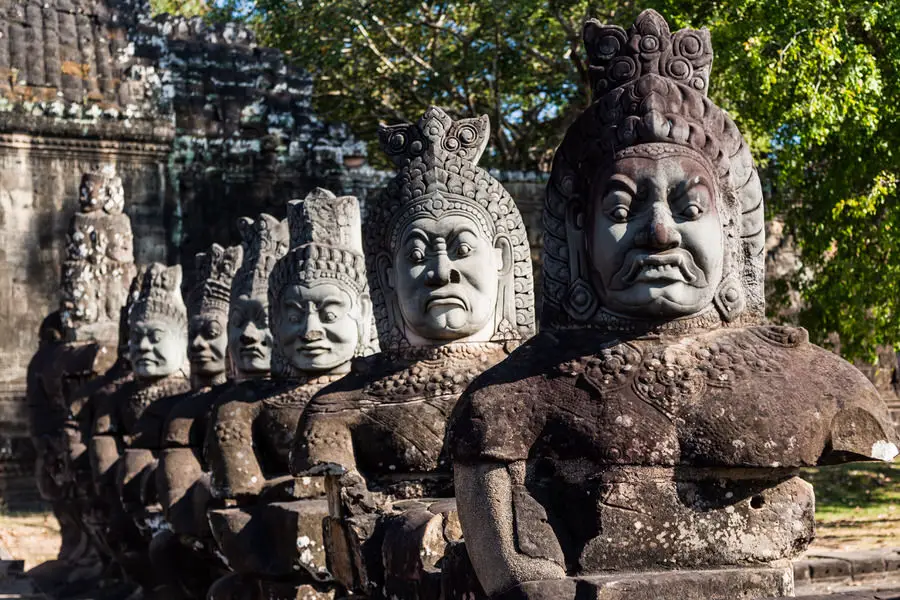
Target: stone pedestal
751,583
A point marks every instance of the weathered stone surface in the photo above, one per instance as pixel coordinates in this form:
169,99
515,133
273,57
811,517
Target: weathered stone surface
321,318
450,273
723,584
656,421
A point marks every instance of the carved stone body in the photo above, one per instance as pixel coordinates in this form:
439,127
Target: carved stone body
657,423
320,318
130,421
93,288
451,284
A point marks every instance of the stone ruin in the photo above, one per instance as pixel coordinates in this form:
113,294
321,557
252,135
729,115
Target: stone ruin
645,444
201,123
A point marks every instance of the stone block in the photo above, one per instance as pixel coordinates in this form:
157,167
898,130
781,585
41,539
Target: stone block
829,568
718,584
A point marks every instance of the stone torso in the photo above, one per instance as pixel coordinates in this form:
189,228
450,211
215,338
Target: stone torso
388,417
712,425
250,437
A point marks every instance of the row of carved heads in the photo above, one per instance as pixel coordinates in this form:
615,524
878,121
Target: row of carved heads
99,263
654,210
443,223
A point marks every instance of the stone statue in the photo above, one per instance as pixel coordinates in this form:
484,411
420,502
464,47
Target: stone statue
450,273
95,275
647,443
185,566
157,326
320,317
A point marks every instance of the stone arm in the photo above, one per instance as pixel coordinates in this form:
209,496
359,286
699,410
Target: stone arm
507,535
181,481
136,466
235,469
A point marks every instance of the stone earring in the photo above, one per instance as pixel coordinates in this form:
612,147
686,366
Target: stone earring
729,298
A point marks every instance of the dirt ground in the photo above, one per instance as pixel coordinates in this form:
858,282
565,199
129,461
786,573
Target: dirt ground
33,537
857,508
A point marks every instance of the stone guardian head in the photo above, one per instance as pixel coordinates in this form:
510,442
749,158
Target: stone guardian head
157,323
318,294
654,208
447,250
264,241
208,311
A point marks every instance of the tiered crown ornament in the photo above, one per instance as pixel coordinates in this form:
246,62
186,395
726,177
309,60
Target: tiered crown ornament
159,296
326,246
99,260
650,102
215,272
263,242
439,177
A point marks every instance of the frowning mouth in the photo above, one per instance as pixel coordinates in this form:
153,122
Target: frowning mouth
669,266
445,301
145,362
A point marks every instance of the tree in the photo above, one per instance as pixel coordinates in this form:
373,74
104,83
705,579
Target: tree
813,85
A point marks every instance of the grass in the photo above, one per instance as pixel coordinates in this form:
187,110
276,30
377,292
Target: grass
857,505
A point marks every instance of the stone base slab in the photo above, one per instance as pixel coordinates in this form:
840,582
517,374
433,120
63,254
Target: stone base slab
717,584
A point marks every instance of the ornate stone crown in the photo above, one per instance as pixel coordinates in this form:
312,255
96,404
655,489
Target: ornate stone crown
159,295
650,99
326,243
102,189
438,175
215,273
263,242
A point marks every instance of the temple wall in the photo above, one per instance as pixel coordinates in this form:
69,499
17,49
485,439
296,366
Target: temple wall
39,177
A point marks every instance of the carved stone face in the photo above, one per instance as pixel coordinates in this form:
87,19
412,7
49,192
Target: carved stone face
207,343
249,336
445,273
319,326
655,237
156,349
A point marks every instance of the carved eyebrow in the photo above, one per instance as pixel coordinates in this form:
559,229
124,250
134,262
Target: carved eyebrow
684,186
622,181
415,234
461,230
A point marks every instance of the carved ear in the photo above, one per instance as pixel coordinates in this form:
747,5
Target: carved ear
503,248
385,271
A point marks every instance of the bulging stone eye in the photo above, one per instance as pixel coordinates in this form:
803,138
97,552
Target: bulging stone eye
619,214
692,211
416,255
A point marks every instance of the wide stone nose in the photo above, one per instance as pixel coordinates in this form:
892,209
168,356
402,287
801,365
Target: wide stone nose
439,271
660,231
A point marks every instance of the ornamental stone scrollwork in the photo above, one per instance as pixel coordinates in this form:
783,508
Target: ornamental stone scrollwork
655,375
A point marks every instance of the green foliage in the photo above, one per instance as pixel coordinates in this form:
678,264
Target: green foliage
182,8
813,84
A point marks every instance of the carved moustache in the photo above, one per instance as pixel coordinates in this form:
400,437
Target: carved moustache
669,262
